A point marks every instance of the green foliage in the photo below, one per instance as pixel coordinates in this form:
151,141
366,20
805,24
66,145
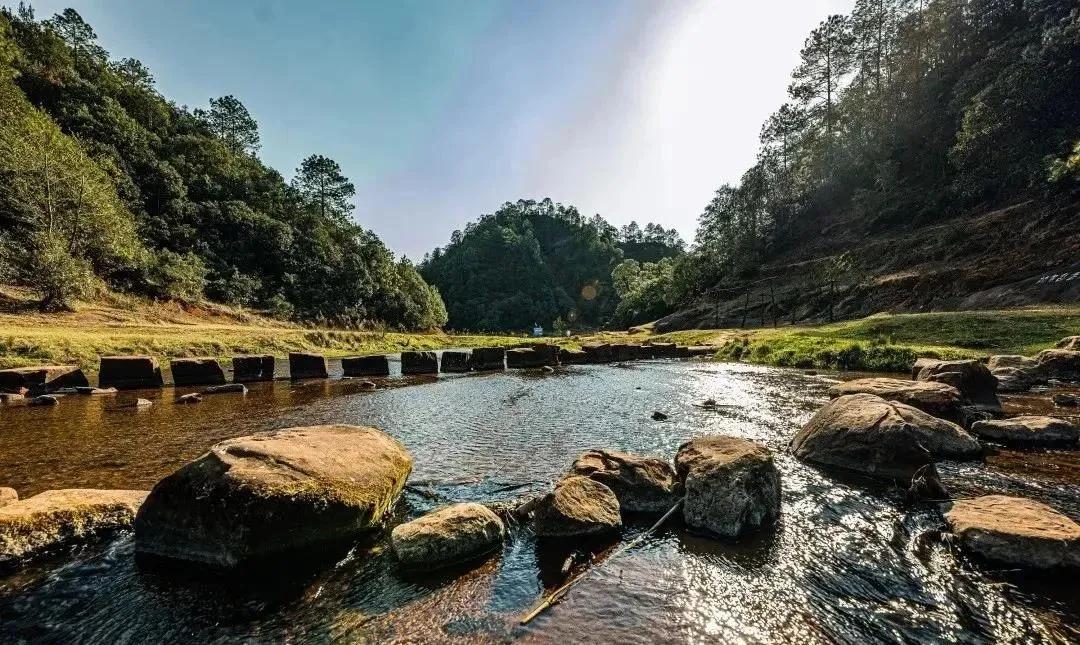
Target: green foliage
177,276
56,275
644,290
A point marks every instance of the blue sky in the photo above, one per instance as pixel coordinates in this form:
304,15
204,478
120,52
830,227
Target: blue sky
440,111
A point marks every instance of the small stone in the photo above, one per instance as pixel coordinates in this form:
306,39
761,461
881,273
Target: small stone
659,416
1066,400
44,400
367,385
1015,531
1028,430
448,536
228,388
547,369
8,397
186,399
95,391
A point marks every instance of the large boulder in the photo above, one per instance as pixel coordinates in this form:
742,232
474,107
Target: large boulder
920,363
731,484
578,506
971,377
130,372
304,365
38,524
196,371
419,363
641,484
41,379
454,362
1015,531
1071,343
248,369
448,536
885,439
377,365
1016,379
935,399
488,358
1060,364
262,495
1028,431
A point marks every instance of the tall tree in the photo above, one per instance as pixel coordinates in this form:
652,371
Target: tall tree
826,58
323,187
77,33
231,121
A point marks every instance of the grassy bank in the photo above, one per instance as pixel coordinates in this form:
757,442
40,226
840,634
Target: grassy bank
891,342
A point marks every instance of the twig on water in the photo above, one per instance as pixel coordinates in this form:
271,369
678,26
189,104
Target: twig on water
556,595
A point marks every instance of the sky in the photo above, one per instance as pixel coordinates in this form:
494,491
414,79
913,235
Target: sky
441,110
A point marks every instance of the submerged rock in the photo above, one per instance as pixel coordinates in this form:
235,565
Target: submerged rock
936,399
448,536
1015,531
1060,364
578,506
731,484
262,495
1028,430
44,400
885,439
641,484
971,377
659,416
228,388
48,520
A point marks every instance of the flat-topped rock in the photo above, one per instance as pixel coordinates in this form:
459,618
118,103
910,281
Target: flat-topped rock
419,363
227,388
253,368
1060,364
578,506
1015,531
731,484
623,353
1028,430
936,399
41,379
572,356
304,365
885,439
1071,343
130,372
454,362
38,524
598,353
664,350
999,361
488,358
196,371
702,350
377,365
641,484
447,536
525,358
44,400
262,495
971,377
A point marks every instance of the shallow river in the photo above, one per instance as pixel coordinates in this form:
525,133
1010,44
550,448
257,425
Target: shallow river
845,563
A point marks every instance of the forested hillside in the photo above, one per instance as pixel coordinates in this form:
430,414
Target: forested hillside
105,182
928,157
544,263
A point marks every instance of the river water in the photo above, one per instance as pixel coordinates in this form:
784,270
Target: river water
847,562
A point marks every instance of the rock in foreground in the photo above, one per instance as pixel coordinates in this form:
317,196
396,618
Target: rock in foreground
1028,431
448,536
936,399
578,506
54,518
641,484
261,495
1016,531
885,439
731,484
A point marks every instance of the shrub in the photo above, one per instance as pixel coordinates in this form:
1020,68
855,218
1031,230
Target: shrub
59,277
177,276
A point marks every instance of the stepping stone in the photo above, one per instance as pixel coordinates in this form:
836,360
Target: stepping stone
1015,531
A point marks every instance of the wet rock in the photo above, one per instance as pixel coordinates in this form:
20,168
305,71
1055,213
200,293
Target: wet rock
419,363
572,356
1015,531
1028,430
228,388
450,535
548,353
367,385
9,397
454,362
926,485
524,358
625,353
303,365
41,379
1071,343
1015,379
253,368
664,350
598,353
1016,361
547,369
731,485
262,495
8,495
1061,364
137,403
885,439
188,399
659,416
378,365
1066,400
935,399
54,518
95,391
130,372
196,371
641,484
44,400
488,358
971,377
578,506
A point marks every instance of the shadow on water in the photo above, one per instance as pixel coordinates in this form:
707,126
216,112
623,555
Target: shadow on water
846,562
